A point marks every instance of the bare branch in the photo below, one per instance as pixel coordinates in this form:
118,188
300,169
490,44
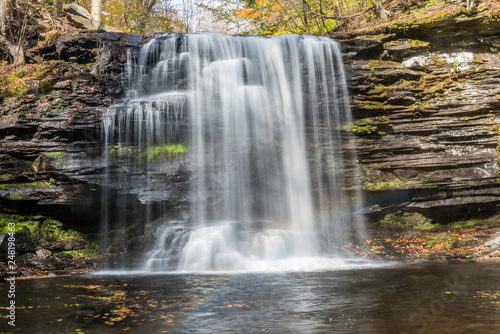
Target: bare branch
346,17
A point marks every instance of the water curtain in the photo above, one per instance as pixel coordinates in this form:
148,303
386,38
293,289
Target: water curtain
261,119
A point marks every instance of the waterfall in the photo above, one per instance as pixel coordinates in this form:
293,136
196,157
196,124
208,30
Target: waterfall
260,118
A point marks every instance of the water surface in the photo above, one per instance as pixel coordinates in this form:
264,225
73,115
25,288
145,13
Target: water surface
428,298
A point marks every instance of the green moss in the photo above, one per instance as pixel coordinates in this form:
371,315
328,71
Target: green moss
113,152
46,86
345,127
367,130
165,151
469,118
477,113
89,252
16,196
51,37
25,80
18,187
372,126
408,220
43,71
145,154
57,156
12,86
418,44
440,240
384,185
20,74
414,43
395,185
372,63
52,229
40,228
26,224
471,223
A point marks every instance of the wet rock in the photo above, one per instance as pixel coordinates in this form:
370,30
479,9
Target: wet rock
42,254
23,244
66,245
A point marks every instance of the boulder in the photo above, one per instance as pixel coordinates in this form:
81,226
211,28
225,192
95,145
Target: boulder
23,244
80,18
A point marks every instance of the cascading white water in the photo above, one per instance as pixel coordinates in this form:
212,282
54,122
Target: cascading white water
268,181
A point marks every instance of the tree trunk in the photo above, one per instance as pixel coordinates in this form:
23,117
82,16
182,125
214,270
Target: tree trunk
17,53
306,20
322,16
14,48
470,6
4,17
380,11
96,10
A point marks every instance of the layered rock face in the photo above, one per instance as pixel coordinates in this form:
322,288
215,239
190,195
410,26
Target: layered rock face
51,142
50,147
426,106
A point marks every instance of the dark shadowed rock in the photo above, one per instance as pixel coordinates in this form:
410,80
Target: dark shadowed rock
22,242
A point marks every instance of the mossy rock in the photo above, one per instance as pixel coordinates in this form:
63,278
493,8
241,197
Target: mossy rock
25,80
45,86
46,232
372,126
147,154
407,221
30,225
56,156
22,191
53,237
90,251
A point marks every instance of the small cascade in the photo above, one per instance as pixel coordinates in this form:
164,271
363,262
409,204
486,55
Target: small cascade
261,117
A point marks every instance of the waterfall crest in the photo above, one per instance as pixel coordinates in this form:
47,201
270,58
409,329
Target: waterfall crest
262,118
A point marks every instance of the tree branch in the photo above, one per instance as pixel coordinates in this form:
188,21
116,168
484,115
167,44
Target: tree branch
340,17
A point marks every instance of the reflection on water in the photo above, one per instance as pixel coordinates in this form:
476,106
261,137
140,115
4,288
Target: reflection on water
432,298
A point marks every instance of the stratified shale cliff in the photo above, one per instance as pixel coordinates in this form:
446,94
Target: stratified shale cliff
50,128
426,104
